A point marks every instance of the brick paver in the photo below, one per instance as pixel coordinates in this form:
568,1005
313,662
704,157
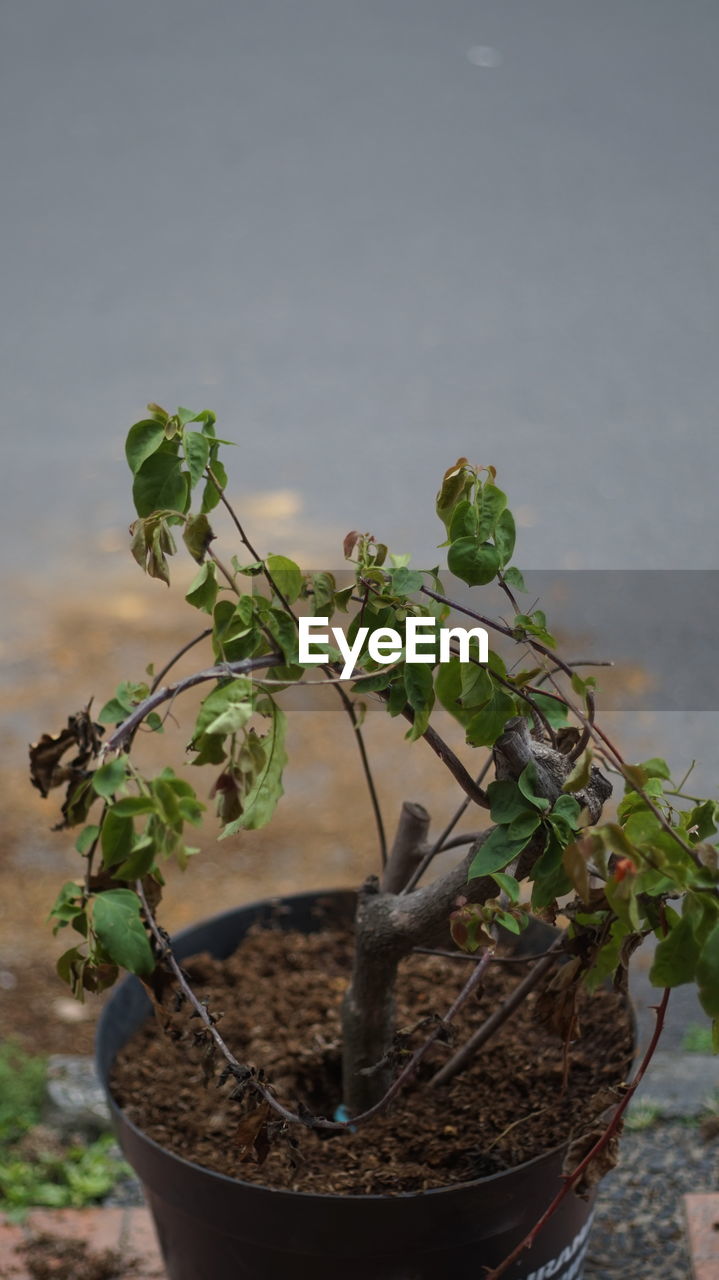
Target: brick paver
702,1212
129,1230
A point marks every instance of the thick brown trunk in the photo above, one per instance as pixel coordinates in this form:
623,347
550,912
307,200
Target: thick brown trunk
390,924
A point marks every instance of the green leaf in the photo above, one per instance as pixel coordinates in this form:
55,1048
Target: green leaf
232,719
533,624
210,494
140,862
118,925
110,776
477,686
675,957
566,808
143,440
161,485
405,581
70,902
553,711
487,724
86,839
448,687
581,773
264,795
527,784
130,806
508,885
197,454
514,578
203,588
506,801
702,820
286,575
419,686
115,838
283,631
707,974
323,594
464,522
550,878
397,695
496,853
457,483
524,825
224,696
475,563
656,768
491,503
197,536
505,536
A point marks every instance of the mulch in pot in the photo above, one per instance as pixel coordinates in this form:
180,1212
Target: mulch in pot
280,996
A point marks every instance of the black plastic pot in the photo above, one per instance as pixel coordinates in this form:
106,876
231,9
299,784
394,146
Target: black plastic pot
212,1227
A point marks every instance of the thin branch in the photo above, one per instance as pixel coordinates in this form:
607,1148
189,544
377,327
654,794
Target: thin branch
584,737
176,657
497,1019
474,958
570,1180
452,761
456,842
245,665
367,770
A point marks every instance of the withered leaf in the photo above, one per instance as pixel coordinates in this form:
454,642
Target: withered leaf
604,1161
350,542
599,1116
248,1133
47,769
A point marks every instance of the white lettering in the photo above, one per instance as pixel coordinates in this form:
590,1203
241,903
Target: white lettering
463,636
551,1268
306,638
416,640
385,644
350,653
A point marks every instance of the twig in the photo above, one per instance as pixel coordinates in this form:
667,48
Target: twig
475,959
176,657
452,761
497,1019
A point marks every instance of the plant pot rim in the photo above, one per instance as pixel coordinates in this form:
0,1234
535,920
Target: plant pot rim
132,983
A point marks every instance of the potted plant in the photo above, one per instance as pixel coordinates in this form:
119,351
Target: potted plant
491,923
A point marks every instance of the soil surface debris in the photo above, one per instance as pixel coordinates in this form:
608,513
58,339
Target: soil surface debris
280,997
